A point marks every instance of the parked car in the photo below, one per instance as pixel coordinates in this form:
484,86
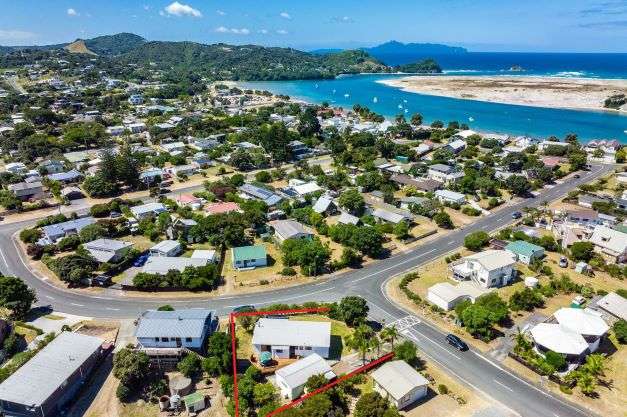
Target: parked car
456,342
242,309
578,301
141,260
563,262
115,214
577,176
516,215
165,183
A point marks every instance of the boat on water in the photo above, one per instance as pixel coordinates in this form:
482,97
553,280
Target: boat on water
347,95
400,106
375,100
471,119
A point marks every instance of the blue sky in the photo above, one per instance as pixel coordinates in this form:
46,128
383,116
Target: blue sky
480,25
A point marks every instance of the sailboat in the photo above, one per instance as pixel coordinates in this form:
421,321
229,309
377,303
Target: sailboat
400,106
347,95
471,119
334,91
316,85
375,100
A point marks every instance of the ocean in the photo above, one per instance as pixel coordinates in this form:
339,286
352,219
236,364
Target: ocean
345,91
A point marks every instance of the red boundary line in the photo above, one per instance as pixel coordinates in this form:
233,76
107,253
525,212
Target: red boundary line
232,317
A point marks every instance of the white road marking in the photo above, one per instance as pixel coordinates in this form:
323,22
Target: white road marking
112,309
452,242
78,305
49,297
503,385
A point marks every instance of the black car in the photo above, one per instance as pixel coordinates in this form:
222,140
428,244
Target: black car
456,342
516,215
577,176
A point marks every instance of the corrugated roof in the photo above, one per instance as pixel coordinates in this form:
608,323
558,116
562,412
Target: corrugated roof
163,264
614,304
40,377
493,259
297,373
246,253
281,332
289,228
398,379
584,322
178,323
521,247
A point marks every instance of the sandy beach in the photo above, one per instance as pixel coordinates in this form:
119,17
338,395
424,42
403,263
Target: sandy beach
573,93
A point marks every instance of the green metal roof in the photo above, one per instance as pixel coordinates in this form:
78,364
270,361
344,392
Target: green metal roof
521,247
621,228
193,398
249,252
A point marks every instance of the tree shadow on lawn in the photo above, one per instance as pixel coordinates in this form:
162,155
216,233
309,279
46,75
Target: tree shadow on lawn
336,348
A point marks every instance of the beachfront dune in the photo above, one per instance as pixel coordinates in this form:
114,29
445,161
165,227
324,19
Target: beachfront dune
574,93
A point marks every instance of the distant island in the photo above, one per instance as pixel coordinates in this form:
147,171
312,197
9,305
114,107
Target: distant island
220,61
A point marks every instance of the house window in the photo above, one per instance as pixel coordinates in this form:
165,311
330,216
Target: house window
188,339
278,350
156,339
165,339
307,347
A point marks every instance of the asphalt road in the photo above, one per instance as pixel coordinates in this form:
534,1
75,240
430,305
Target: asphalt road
472,367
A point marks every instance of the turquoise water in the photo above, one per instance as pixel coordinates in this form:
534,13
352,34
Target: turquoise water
540,122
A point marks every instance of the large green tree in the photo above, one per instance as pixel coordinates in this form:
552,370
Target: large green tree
16,296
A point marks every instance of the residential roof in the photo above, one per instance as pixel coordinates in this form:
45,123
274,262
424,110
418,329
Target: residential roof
388,216
147,208
347,218
165,246
204,254
611,239
521,247
103,250
306,188
559,339
178,323
288,229
65,176
297,373
187,199
322,204
249,252
428,185
163,264
614,304
39,378
582,321
21,186
221,208
450,195
398,379
441,168
446,291
262,194
283,332
62,228
493,259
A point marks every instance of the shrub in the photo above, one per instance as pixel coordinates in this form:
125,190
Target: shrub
30,235
166,307
443,389
620,330
123,392
556,360
288,271
476,240
190,365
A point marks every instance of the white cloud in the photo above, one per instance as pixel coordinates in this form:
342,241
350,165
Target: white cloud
235,31
282,32
179,9
285,15
146,7
72,12
16,35
221,12
263,31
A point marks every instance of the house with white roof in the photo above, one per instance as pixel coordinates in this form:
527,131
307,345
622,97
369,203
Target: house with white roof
290,229
490,268
291,379
443,173
285,338
166,248
107,250
610,243
147,210
400,383
173,147
446,295
452,197
572,332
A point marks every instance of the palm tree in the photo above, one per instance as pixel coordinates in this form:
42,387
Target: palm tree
595,364
375,343
360,340
586,383
390,334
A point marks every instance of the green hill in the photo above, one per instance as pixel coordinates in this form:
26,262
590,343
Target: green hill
114,44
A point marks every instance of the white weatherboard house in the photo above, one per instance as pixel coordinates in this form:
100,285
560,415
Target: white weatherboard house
400,383
290,338
447,296
291,380
147,210
166,248
610,243
490,268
